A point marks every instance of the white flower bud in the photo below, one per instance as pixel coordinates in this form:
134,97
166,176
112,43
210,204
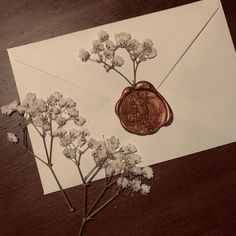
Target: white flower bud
69,153
93,143
110,45
117,165
74,133
109,170
123,182
97,46
51,100
59,132
41,105
136,170
135,185
80,120
84,55
10,108
72,112
57,95
147,172
29,100
132,45
103,36
117,61
108,54
134,159
11,137
112,143
145,189
70,102
65,140
62,102
55,110
147,43
122,39
128,149
60,120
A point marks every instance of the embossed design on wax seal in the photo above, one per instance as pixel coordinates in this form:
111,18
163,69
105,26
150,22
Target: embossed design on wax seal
142,110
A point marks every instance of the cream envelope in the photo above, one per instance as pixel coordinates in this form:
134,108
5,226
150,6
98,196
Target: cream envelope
200,89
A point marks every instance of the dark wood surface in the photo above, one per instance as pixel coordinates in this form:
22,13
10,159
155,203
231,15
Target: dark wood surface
192,195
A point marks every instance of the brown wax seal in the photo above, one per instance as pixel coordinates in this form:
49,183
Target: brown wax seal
142,110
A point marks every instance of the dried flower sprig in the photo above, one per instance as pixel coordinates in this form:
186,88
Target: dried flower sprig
105,51
120,163
48,118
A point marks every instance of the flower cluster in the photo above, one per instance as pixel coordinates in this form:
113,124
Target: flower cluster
11,137
42,113
72,141
121,160
105,50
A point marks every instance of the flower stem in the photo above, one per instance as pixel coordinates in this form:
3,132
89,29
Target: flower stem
122,76
94,175
90,215
46,149
82,226
51,141
113,68
97,200
49,164
37,129
37,157
80,173
90,172
134,70
85,200
104,205
25,137
61,189
100,196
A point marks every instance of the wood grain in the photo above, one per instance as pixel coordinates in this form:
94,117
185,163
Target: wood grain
192,195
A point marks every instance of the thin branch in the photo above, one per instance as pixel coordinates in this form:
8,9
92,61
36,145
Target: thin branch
97,200
113,68
94,174
37,129
134,71
99,168
51,141
37,157
90,172
62,190
85,200
122,75
46,149
85,150
80,173
100,196
104,205
82,227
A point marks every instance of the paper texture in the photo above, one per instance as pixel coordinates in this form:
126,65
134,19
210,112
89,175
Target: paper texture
200,90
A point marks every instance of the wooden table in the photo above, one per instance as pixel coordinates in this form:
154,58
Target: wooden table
192,195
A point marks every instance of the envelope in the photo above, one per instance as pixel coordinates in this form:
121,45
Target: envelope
195,65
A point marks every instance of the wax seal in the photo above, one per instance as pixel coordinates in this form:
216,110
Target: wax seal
142,110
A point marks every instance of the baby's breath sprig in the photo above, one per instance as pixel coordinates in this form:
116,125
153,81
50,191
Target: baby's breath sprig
48,117
120,166
120,163
105,51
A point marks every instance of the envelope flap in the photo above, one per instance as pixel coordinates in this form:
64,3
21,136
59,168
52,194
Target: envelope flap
171,31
